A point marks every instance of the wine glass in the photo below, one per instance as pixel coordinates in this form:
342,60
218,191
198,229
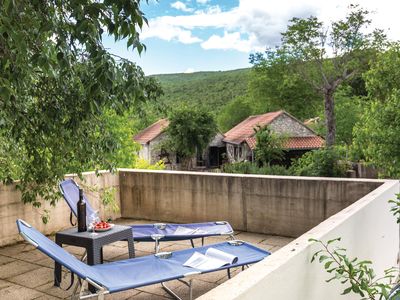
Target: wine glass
93,220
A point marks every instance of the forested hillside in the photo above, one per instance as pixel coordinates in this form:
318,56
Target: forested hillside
210,89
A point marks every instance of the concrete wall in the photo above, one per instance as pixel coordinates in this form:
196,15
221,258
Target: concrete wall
12,208
368,231
287,206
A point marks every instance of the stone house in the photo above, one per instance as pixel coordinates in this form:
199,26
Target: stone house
151,150
241,142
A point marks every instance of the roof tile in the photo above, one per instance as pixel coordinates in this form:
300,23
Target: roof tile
150,133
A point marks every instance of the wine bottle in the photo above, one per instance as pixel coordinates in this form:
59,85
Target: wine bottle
81,210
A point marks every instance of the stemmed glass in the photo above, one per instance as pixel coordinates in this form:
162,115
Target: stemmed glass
93,220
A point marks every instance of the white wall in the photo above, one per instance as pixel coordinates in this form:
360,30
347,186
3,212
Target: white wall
368,231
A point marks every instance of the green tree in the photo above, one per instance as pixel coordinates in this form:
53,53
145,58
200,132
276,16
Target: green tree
189,131
348,110
273,86
56,82
376,136
269,146
384,75
234,112
328,56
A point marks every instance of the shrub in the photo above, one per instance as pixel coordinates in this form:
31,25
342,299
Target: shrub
251,168
144,164
323,162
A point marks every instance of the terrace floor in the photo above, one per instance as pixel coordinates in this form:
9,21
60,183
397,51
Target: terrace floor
26,273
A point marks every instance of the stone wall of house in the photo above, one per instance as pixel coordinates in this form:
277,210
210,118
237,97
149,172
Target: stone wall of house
284,124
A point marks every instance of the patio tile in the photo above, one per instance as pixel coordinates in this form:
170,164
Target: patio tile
16,268
110,252
50,289
277,240
14,292
30,256
147,296
5,260
47,297
34,278
4,284
199,288
16,249
250,237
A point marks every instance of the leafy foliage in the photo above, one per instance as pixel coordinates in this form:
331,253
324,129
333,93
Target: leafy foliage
357,274
274,86
327,58
234,112
57,81
189,130
396,208
323,162
252,168
211,90
383,78
376,135
348,111
269,146
144,164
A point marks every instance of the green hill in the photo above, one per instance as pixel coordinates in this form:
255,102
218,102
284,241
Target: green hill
210,89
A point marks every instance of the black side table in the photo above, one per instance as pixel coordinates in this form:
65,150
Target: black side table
93,244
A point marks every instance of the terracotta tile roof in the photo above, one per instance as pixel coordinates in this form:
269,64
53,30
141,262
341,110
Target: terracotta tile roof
305,142
295,143
245,129
150,133
251,142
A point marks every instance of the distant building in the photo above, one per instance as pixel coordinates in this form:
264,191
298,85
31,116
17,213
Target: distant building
151,150
241,141
150,138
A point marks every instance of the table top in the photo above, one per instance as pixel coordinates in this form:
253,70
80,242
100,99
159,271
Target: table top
73,232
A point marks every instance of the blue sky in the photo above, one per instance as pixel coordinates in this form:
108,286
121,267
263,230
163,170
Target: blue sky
212,35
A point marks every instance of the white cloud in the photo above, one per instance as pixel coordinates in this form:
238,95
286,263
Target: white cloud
255,24
189,70
181,6
202,1
169,32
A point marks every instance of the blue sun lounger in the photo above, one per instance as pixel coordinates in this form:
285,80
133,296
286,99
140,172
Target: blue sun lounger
137,272
151,232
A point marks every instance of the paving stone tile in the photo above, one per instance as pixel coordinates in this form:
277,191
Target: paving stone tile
147,296
34,278
153,289
16,268
45,262
199,288
14,292
5,260
50,289
4,284
30,256
277,240
16,249
110,252
175,247
250,237
47,297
